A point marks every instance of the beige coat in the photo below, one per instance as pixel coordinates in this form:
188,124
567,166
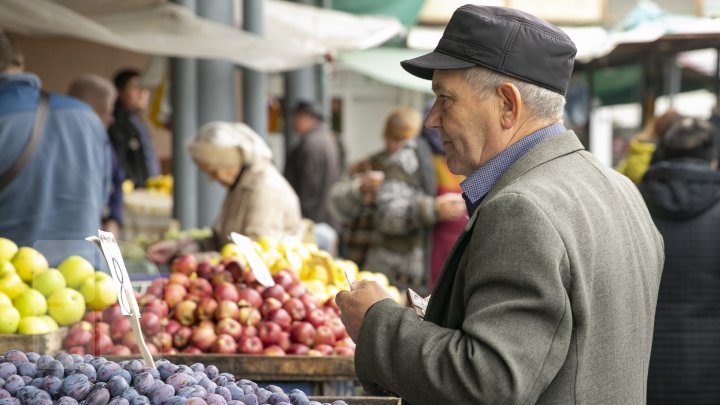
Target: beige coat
262,203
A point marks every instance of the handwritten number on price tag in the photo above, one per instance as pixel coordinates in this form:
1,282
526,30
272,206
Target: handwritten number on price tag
111,252
258,267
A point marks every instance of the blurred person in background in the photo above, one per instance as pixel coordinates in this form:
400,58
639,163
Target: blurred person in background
61,190
406,205
643,150
682,192
129,135
444,233
99,93
311,168
260,202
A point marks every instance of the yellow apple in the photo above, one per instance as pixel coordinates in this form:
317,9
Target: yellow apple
33,325
66,306
31,303
28,262
8,249
76,270
99,291
50,322
10,283
4,300
9,319
48,282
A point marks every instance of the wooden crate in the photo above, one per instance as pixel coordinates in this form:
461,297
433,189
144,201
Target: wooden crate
271,368
360,400
50,343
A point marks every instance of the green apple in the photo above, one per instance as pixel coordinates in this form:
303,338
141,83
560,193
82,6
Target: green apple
8,249
66,306
48,282
99,291
10,283
50,322
28,262
31,303
9,319
33,325
76,270
4,300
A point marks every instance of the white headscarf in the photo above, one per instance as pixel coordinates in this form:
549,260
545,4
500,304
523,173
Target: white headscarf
228,144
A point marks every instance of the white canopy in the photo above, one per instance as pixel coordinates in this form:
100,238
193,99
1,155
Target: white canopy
296,35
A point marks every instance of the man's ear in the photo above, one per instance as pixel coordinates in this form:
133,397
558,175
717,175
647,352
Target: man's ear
510,105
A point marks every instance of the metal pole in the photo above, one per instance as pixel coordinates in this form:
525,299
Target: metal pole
183,94
216,101
648,91
254,83
717,76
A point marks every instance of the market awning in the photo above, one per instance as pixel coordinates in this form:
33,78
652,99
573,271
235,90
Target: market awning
293,38
383,65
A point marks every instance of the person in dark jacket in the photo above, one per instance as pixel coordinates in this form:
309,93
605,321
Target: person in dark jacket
683,195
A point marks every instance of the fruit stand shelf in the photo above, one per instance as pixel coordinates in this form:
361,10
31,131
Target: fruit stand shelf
49,343
272,368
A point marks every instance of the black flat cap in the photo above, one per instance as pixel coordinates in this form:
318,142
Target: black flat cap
505,40
307,107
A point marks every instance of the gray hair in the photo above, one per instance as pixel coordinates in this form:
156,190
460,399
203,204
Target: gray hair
93,90
539,101
229,143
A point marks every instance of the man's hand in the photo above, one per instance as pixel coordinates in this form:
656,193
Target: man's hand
449,207
354,304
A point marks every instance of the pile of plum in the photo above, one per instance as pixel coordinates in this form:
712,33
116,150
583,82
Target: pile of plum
71,379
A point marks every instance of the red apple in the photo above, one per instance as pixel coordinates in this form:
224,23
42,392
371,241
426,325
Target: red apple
78,337
309,301
249,331
185,312
111,313
324,335
284,341
192,350
316,317
344,351
93,317
76,350
298,349
227,309
249,277
277,291
269,333
129,340
171,350
156,287
270,305
119,328
172,326
280,317
163,340
302,332
120,350
204,337
224,344
314,353
297,290
102,327
285,278
226,291
192,297
249,316
345,342
150,324
200,287
325,349
179,278
229,326
273,350
206,308
101,344
250,345
235,269
295,308
173,294
205,270
221,277
249,297
182,337
156,306
337,327
185,264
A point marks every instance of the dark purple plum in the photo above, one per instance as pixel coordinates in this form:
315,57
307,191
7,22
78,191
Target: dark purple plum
124,374
212,371
98,397
97,362
67,401
88,370
250,399
52,385
27,380
106,370
53,367
162,394
229,376
119,401
175,400
133,366
180,380
199,391
263,395
4,393
153,372
66,359
15,356
13,383
277,397
224,392
250,383
27,369
196,401
235,392
184,369
236,402
220,380
215,399
165,369
274,388
77,359
77,386
143,383
117,385
339,402
247,389
43,361
197,367
140,400
39,401
7,369
10,401
199,374
129,394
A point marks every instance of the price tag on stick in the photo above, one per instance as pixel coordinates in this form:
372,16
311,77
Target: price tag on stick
257,265
126,297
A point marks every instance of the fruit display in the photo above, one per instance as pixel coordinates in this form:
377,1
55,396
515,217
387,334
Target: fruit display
72,379
162,184
36,299
218,308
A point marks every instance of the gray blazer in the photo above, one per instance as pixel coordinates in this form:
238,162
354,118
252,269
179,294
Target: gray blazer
547,298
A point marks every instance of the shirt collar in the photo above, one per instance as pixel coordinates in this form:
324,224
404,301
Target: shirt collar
483,179
19,79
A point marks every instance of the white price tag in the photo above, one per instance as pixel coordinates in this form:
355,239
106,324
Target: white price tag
111,251
350,279
419,303
257,265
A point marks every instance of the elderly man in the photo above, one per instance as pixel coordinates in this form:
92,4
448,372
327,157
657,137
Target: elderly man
549,294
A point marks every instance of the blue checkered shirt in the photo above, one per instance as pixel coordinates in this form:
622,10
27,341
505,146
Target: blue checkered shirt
482,181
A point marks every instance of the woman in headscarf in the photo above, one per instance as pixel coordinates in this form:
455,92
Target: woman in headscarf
259,202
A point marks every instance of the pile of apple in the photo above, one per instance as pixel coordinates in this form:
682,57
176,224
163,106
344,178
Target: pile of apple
219,308
35,299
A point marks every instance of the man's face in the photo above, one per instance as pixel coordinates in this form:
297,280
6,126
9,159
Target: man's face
468,123
134,96
303,123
